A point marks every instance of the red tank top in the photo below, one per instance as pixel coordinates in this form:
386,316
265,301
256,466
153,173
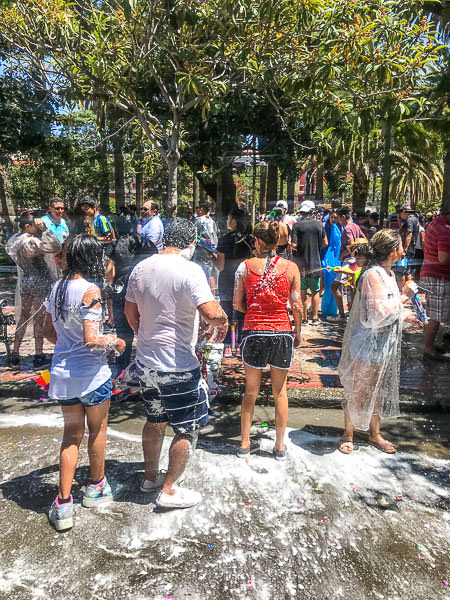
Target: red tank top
266,300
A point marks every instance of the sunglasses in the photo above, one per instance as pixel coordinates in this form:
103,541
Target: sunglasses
58,208
144,210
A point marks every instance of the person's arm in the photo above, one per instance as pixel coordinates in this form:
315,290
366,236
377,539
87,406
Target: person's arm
132,315
239,288
213,314
408,239
49,330
444,257
295,302
324,240
422,238
91,326
48,243
294,238
218,261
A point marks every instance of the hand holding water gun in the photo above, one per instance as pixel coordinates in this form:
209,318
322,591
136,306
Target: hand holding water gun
206,244
410,289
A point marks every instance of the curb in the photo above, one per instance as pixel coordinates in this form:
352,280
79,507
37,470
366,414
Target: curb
320,398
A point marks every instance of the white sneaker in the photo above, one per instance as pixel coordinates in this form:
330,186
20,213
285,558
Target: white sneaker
337,319
150,485
183,498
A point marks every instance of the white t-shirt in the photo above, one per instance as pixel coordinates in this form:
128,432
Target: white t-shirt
76,370
167,289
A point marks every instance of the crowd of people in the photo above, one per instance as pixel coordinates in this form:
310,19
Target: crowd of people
176,282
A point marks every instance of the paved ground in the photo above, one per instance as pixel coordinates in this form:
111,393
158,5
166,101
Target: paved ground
322,525
313,379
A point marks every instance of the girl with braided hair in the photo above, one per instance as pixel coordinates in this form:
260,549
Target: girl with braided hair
80,378
370,359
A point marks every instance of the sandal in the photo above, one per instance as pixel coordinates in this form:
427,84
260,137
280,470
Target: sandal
349,444
382,446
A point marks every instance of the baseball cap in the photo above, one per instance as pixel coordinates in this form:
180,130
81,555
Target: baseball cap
307,206
405,208
282,204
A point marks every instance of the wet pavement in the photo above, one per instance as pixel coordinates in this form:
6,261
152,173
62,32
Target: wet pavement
322,525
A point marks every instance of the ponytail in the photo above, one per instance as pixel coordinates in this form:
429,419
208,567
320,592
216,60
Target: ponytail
268,233
378,249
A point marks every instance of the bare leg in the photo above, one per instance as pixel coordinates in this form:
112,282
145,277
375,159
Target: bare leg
279,380
73,434
38,326
347,435
25,313
336,291
304,297
183,444
375,436
431,330
315,303
97,420
152,439
252,386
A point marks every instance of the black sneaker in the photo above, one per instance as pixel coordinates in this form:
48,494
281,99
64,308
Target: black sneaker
14,359
40,360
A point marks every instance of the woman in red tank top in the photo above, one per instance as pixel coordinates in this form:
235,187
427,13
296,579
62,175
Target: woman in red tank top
267,282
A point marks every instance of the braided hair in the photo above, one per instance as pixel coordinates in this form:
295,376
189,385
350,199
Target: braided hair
85,257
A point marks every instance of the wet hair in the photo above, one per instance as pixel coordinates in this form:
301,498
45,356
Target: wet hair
243,220
26,218
205,204
85,257
374,216
125,224
179,233
268,233
379,248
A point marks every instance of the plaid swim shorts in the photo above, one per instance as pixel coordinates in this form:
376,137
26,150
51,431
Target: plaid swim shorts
437,299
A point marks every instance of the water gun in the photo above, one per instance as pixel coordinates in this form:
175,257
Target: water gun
420,311
341,270
206,244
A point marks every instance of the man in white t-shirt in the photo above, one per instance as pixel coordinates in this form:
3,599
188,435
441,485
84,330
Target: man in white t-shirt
165,296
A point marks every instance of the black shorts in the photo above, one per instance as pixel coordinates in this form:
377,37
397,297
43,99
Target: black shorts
267,348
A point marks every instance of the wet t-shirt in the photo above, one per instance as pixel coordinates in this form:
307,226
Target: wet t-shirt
235,250
167,289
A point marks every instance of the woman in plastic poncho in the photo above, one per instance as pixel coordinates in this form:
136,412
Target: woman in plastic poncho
370,360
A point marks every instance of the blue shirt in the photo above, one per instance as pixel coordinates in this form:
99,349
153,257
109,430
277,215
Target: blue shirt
59,230
102,226
154,231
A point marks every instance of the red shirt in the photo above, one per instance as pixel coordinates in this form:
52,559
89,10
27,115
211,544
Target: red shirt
437,239
267,300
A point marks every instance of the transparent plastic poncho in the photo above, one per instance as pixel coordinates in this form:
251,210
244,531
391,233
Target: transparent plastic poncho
23,246
369,367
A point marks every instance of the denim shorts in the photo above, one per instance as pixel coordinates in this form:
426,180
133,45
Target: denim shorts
98,396
180,399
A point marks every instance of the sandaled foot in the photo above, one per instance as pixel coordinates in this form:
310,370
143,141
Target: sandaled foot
346,446
384,445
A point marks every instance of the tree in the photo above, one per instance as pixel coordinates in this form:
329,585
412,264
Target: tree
155,61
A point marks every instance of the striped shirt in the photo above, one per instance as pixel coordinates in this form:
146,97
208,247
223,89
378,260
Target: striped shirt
437,239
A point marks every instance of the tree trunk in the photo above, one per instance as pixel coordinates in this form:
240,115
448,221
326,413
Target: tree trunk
290,194
6,201
446,191
119,175
388,134
46,184
102,159
319,184
139,198
272,185
374,188
262,189
228,190
360,188
195,192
